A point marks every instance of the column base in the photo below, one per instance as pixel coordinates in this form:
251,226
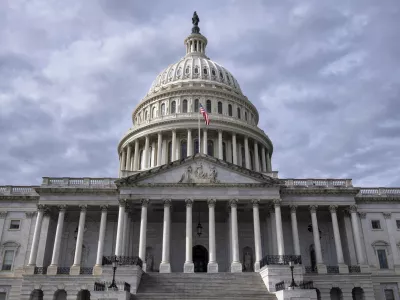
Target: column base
75,270
30,269
321,269
257,266
188,267
365,269
236,267
97,270
343,269
397,269
52,270
212,267
165,268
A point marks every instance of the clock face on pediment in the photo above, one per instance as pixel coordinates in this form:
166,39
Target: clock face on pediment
198,170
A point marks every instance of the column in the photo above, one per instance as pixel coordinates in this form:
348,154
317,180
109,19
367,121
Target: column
205,139
153,154
52,269
239,158
143,233
321,268
188,267
189,143
124,231
173,147
263,161
76,267
212,266
164,157
268,157
146,152
295,230
36,236
246,152
137,156
357,238
392,238
120,226
256,158
236,266
338,243
234,149
257,234
220,147
98,270
123,159
165,266
159,148
128,158
278,224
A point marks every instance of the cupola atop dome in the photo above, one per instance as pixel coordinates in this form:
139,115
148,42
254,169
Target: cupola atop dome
196,43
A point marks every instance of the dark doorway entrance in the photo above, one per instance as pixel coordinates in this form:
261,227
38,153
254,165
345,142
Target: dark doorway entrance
200,258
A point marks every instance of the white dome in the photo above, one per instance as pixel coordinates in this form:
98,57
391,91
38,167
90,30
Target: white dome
192,68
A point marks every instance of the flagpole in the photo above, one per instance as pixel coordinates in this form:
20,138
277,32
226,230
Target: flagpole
199,143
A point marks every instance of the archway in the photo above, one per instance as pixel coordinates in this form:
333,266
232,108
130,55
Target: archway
60,295
358,293
83,295
336,294
200,258
313,259
36,295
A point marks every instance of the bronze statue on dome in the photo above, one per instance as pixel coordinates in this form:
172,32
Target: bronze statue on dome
195,22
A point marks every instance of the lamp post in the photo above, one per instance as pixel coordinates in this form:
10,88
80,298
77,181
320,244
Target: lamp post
293,284
114,266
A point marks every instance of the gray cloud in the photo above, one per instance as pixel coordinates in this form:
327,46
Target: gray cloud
324,76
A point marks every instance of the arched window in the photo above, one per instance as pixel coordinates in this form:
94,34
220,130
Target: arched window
196,146
36,295
183,149
213,72
169,152
196,105
223,151
184,106
187,71
205,71
230,110
238,113
146,115
245,115
173,107
163,109
219,107
153,115
196,70
208,106
141,160
83,295
221,75
210,147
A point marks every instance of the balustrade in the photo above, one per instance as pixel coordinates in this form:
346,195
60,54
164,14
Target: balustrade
280,260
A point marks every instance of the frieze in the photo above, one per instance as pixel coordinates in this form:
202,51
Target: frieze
199,173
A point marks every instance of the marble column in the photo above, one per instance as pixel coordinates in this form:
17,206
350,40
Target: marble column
212,266
52,269
257,234
143,233
146,152
357,237
189,143
76,267
120,227
279,231
173,147
295,230
188,267
321,268
124,231
165,266
269,166
98,269
136,156
338,243
236,265
263,160
392,232
220,147
246,152
205,139
234,149
153,154
256,158
240,154
128,158
159,148
123,154
36,236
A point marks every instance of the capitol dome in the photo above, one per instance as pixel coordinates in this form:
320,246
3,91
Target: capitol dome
166,121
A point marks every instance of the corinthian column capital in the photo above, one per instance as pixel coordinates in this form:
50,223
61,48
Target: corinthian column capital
333,208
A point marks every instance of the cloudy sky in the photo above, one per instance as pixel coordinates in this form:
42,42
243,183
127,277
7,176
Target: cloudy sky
325,76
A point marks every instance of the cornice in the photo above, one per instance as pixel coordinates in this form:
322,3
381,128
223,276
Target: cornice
19,198
378,199
77,191
206,185
305,191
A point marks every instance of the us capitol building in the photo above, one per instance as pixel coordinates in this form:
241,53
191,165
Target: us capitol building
198,217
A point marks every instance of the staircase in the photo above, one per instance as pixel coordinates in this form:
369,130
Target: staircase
202,286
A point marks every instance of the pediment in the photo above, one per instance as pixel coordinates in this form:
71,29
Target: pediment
198,170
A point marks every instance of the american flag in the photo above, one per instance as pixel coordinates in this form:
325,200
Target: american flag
205,115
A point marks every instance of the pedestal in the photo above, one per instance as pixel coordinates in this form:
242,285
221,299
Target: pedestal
188,268
236,267
343,269
321,269
257,266
296,294
30,270
212,267
97,270
52,270
165,268
365,269
75,270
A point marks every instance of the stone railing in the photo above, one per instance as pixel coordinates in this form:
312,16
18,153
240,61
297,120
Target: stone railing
318,182
365,192
86,181
18,190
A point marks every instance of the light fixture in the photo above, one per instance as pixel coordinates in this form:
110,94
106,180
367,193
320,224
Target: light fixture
199,227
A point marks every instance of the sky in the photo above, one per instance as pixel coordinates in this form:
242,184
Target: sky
324,75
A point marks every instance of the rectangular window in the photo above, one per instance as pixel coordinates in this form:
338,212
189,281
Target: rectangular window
389,295
3,296
382,259
376,224
14,224
398,224
8,260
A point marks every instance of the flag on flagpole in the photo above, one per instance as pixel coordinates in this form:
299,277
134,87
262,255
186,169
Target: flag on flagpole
205,115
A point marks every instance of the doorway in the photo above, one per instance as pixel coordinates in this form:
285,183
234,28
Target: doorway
200,258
